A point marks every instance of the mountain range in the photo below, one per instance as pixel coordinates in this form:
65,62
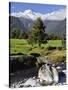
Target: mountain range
55,21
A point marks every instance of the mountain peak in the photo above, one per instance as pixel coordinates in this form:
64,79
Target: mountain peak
28,11
55,15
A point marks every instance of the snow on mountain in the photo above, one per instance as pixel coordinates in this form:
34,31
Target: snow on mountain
25,14
57,15
29,14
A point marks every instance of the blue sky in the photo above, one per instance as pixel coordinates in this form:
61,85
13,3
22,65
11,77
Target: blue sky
41,8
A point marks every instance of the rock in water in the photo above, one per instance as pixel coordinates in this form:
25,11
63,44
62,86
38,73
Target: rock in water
48,75
55,75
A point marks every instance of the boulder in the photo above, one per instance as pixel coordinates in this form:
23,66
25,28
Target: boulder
48,75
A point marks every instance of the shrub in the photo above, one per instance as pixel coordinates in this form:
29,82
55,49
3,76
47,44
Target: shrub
12,54
59,48
35,54
44,42
42,47
30,49
51,48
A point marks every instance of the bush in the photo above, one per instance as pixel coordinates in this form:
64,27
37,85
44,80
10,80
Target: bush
12,54
35,54
42,47
44,42
59,48
51,48
30,49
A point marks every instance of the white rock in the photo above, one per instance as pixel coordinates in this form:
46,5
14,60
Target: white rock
64,71
58,67
31,82
55,75
48,75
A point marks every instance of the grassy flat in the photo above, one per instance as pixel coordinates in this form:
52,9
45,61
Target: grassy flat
22,46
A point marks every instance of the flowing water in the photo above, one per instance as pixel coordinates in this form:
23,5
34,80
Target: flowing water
28,78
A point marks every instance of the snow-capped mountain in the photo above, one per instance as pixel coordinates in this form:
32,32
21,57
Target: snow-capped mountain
55,21
29,14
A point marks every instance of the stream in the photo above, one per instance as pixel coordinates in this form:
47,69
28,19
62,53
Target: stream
28,77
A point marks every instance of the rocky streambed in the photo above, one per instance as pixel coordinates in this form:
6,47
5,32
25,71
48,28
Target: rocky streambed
28,78
24,71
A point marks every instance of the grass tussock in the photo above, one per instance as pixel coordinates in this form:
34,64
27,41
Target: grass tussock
57,56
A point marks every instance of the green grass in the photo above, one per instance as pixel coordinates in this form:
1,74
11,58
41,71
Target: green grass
22,46
53,43
19,46
16,42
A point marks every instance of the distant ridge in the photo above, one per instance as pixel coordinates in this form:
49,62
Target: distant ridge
55,22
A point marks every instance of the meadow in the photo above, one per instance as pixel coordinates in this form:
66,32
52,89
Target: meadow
22,46
52,49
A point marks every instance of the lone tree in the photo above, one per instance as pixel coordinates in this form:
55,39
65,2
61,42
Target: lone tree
37,34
